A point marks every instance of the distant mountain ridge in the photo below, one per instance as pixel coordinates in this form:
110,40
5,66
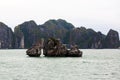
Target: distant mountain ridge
28,33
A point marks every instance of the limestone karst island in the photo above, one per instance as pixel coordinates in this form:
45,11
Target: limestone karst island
65,34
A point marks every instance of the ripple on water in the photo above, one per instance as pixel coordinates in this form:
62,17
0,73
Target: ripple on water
94,65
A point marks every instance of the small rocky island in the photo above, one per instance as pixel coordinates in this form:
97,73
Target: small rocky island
35,50
53,48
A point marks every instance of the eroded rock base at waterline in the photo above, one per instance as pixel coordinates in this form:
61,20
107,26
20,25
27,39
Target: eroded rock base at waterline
53,48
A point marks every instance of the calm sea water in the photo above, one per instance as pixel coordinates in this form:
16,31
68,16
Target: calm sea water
94,65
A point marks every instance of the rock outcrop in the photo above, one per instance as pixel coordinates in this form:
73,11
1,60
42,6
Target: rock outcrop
86,38
29,32
112,39
57,29
35,50
97,41
55,48
74,52
26,34
6,36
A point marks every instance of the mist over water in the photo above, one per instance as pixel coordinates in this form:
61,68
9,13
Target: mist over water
96,64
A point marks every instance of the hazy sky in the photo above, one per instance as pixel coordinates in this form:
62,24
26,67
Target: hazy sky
101,15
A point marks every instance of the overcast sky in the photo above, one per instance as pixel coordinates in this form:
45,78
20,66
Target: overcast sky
101,15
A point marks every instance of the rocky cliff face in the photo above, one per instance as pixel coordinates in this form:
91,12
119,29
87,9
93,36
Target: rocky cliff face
26,34
97,41
79,36
86,38
57,29
6,36
29,32
112,39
